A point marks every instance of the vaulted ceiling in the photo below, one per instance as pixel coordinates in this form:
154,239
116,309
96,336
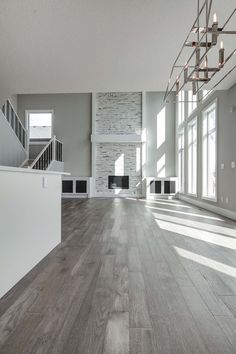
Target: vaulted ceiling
95,45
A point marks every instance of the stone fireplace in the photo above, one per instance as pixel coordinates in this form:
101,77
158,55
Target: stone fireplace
117,143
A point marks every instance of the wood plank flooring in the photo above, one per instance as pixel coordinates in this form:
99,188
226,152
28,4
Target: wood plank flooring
131,276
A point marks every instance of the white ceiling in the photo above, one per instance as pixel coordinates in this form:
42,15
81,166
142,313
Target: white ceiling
94,45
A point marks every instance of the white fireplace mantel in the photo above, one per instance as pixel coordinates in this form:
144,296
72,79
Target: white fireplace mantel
111,138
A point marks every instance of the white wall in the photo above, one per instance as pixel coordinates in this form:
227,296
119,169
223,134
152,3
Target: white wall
56,166
12,152
72,125
30,221
159,160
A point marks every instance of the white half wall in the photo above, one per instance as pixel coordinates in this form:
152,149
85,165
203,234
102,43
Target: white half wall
30,221
56,166
12,152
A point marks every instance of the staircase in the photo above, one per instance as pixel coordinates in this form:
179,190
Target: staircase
27,163
51,152
13,137
50,158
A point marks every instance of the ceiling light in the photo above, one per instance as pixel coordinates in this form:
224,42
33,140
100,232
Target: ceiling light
206,38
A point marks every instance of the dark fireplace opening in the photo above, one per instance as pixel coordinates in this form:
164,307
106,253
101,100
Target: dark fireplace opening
118,182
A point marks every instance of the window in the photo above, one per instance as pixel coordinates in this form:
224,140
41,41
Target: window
192,102
181,103
40,125
192,157
181,161
209,152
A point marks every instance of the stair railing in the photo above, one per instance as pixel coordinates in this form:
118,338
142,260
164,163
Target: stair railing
15,123
52,151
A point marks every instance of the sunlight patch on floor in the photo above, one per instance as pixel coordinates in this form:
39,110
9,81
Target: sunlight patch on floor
184,213
207,262
227,231
202,235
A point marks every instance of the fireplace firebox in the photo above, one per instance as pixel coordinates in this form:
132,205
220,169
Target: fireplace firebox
118,182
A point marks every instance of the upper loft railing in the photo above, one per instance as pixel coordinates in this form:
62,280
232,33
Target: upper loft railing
15,123
51,152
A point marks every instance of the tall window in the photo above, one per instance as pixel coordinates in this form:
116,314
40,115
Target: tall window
181,103
181,161
192,102
192,157
209,152
40,125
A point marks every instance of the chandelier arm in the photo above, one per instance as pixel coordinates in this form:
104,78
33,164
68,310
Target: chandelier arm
226,60
172,69
168,91
207,5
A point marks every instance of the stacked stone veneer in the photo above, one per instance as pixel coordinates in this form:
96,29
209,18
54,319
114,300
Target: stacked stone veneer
118,159
118,114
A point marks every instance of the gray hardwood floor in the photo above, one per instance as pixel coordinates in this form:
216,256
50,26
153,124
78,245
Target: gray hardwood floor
130,276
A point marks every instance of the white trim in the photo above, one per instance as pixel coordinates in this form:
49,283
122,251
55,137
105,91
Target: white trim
12,128
213,208
193,112
209,199
148,181
206,109
89,192
29,170
28,111
94,150
23,163
189,126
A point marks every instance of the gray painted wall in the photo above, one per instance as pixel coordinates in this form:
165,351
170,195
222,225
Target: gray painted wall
226,148
72,124
160,150
12,152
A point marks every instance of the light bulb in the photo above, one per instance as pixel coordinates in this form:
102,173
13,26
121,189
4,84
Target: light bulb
214,18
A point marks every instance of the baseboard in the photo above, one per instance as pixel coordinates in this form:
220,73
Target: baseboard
111,195
71,195
213,208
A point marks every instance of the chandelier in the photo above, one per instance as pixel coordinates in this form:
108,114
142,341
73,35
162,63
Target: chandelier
196,71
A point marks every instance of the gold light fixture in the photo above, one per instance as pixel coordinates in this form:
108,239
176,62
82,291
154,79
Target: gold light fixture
206,38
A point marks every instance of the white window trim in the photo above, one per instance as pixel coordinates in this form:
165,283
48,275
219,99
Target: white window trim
207,108
191,122
193,112
183,103
27,113
181,132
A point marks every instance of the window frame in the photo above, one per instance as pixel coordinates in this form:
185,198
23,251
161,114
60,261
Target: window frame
28,112
191,123
181,184
207,110
189,114
181,106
